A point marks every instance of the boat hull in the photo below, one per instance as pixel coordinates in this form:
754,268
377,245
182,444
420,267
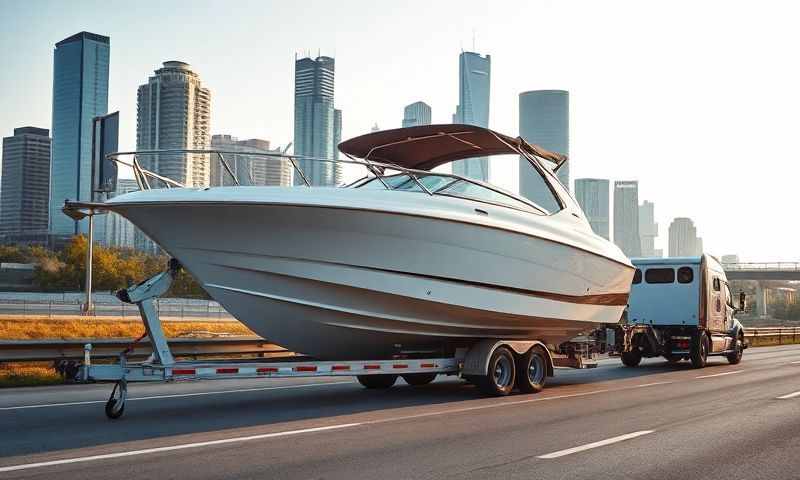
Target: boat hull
336,281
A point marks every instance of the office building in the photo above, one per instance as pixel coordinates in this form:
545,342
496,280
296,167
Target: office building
25,183
80,93
474,80
592,195
248,169
626,218
648,230
119,231
543,121
317,124
683,239
418,113
730,258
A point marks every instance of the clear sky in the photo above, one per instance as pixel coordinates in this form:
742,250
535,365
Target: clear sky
696,100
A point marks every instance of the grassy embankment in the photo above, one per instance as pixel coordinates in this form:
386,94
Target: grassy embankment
43,373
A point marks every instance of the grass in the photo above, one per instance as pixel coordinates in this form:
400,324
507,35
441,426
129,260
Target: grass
28,374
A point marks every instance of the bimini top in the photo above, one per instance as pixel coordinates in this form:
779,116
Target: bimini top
428,146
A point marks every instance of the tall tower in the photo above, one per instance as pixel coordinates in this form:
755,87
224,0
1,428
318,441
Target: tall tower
249,169
174,112
626,218
648,229
418,113
80,93
592,196
474,80
316,122
683,239
25,187
544,121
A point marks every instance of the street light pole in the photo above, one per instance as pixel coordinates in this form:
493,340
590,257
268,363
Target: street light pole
88,307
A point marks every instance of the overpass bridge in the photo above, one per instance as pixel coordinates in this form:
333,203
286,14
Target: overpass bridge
781,271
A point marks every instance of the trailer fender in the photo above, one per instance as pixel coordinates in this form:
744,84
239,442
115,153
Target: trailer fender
476,361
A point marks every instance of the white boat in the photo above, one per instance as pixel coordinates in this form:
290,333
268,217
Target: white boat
402,261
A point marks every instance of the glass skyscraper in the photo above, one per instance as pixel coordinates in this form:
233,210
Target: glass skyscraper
592,196
544,121
25,182
80,93
418,113
474,79
626,218
317,125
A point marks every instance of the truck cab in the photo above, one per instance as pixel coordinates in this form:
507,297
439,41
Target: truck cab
681,308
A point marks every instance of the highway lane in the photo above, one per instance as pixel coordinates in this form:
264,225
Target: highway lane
657,421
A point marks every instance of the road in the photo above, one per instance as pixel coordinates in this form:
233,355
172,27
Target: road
656,421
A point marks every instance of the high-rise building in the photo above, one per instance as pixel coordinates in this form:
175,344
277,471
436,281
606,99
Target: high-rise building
683,239
25,183
626,217
249,169
648,230
418,113
80,93
174,112
592,196
544,121
474,79
317,124
120,232
730,258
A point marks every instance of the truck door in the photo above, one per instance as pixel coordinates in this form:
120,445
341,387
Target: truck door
716,306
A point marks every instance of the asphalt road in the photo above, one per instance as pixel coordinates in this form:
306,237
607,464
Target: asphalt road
653,422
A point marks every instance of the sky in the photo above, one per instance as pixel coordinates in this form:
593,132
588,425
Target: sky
697,100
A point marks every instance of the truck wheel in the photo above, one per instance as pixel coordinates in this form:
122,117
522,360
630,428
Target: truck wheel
500,374
699,355
736,355
376,381
632,358
418,379
531,371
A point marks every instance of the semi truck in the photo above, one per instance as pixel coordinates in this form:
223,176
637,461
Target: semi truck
681,308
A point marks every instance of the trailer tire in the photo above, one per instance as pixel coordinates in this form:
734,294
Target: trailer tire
632,358
419,379
500,374
531,371
376,381
111,412
699,355
738,350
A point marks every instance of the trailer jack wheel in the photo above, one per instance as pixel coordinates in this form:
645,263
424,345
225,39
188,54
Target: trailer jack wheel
115,406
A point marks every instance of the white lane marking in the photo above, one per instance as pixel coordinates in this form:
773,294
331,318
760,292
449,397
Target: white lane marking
592,445
720,374
794,363
179,395
170,448
791,395
652,384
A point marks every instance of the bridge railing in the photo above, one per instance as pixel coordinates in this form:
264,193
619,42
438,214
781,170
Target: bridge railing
774,266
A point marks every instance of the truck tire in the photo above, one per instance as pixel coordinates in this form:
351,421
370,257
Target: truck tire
738,350
699,355
500,374
531,371
419,379
632,358
376,381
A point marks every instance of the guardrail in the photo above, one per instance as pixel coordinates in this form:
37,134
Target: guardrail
781,266
765,336
198,310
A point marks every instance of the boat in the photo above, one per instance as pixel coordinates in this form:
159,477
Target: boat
403,261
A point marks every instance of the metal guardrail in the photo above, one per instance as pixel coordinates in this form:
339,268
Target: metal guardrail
53,309
51,350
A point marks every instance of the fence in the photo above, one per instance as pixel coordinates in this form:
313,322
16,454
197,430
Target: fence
66,306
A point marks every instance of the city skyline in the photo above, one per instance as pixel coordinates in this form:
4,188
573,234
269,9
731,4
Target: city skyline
619,123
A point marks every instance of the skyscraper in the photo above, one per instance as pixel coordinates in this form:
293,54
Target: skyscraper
418,113
474,79
25,188
80,93
626,217
683,239
592,196
544,121
317,124
120,232
648,229
174,112
249,169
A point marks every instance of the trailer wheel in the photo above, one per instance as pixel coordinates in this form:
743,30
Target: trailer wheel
500,374
531,371
738,350
632,358
376,381
419,379
112,411
699,355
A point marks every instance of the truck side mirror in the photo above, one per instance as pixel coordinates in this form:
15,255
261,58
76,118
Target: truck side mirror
742,301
